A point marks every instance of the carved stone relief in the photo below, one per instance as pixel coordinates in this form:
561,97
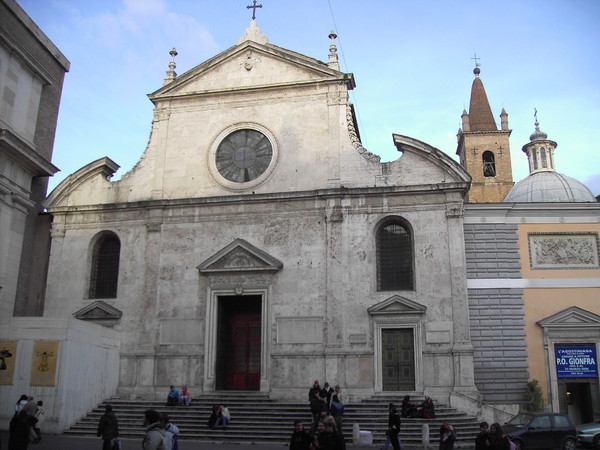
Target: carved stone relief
563,251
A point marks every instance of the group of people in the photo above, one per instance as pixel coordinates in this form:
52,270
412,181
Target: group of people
410,410
325,401
176,398
494,438
25,426
325,437
425,410
160,433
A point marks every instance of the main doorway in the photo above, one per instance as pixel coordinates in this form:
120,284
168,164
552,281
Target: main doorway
398,359
238,342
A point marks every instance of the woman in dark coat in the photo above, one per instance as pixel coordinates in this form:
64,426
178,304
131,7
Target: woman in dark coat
108,428
21,426
447,437
498,440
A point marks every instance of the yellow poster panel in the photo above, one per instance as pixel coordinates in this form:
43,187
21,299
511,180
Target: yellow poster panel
43,363
8,355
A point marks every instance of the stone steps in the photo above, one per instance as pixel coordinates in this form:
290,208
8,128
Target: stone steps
257,418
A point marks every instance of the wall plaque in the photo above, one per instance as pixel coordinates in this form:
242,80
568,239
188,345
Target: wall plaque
564,251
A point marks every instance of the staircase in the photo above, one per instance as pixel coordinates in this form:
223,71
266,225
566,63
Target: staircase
255,418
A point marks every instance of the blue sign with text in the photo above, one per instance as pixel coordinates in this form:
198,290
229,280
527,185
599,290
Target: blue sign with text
576,362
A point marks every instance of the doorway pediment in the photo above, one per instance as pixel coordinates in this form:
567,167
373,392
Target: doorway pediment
397,305
573,317
240,256
99,312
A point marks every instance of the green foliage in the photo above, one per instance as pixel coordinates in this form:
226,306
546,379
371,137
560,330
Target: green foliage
534,396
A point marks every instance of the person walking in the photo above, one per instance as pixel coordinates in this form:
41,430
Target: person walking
20,431
39,415
394,424
155,436
482,441
108,428
300,439
447,437
171,431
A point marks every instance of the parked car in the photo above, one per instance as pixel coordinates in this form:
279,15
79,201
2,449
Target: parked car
542,430
588,434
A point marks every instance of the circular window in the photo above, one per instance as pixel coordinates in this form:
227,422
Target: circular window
243,156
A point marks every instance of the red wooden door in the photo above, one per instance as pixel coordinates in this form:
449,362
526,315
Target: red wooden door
244,366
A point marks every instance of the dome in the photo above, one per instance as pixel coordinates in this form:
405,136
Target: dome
549,187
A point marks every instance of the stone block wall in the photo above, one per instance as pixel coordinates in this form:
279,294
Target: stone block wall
496,314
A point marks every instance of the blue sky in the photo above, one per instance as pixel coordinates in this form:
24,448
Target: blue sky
412,61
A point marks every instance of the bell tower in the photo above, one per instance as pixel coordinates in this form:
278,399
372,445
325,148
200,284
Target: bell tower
484,150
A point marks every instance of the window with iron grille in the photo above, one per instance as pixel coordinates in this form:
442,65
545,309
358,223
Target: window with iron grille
105,267
394,258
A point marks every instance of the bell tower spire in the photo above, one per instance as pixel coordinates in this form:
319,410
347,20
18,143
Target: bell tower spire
483,149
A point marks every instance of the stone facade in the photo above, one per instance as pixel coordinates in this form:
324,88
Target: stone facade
294,243
32,70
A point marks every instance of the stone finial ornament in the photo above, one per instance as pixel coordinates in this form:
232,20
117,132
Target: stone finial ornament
333,56
171,72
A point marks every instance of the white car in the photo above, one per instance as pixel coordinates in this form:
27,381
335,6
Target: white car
588,434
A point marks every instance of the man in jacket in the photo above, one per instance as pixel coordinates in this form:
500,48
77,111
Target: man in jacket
154,439
108,428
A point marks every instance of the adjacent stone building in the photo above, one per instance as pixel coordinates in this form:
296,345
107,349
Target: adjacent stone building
32,70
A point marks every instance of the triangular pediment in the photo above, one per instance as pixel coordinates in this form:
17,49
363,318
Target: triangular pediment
249,65
240,256
397,305
573,317
99,312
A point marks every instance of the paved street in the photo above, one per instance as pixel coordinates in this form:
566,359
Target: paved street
63,442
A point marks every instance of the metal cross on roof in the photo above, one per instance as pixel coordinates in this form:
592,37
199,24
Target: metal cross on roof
476,60
253,7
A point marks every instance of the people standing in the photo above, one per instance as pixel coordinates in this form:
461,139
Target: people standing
317,403
39,415
171,431
447,437
108,428
498,440
20,403
331,439
20,431
173,397
326,393
337,407
31,406
482,441
155,434
300,439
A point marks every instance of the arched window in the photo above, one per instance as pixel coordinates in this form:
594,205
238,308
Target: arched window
535,160
543,157
489,164
104,275
394,257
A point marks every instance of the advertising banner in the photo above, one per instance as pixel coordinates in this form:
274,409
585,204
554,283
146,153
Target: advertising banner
8,355
43,363
576,362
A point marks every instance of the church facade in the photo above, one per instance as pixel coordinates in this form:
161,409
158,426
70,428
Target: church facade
257,245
